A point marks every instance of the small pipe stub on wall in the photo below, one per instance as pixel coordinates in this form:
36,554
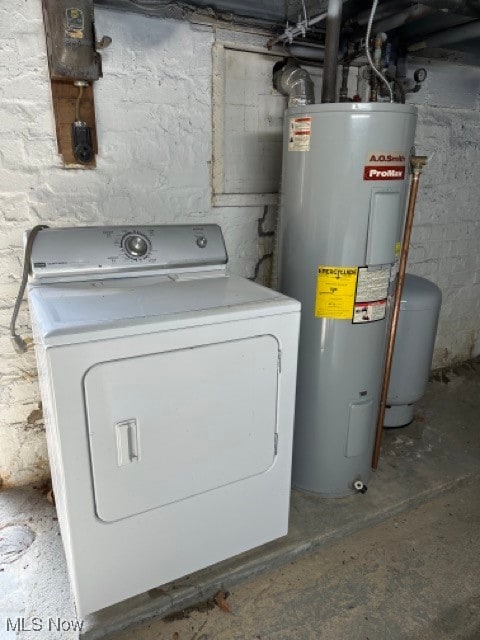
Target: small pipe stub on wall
74,64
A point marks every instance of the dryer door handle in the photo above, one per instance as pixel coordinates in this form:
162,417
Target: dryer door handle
127,442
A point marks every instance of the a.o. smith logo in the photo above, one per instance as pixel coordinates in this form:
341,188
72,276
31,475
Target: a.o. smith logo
385,158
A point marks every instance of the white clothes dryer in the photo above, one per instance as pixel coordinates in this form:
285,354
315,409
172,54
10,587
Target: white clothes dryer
168,390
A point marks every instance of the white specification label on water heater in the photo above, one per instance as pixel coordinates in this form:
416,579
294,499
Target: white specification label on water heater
299,133
371,294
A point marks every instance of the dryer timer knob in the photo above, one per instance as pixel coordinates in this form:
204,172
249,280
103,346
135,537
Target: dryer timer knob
135,246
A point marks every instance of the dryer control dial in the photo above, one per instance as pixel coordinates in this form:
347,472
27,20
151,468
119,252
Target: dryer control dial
136,245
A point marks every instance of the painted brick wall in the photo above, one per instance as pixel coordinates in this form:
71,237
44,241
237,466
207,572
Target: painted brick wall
446,235
154,124
153,111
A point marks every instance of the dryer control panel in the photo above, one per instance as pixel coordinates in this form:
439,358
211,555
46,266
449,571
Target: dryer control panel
83,252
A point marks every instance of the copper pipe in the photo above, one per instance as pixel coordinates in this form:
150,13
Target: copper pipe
417,163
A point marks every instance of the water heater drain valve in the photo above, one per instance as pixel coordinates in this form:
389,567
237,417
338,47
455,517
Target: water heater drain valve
359,486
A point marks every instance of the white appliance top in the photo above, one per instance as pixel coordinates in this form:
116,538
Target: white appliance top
80,253
66,308
86,281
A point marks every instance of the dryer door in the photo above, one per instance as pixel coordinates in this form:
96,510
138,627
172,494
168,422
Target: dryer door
171,425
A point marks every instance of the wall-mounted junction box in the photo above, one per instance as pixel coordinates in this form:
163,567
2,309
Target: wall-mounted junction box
74,64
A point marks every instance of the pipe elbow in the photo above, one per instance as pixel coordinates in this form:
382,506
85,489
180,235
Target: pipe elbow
294,82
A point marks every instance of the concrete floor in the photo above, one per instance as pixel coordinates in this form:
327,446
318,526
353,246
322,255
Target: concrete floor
434,462
413,577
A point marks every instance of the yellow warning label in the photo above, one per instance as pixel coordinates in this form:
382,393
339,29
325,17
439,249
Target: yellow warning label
335,292
398,249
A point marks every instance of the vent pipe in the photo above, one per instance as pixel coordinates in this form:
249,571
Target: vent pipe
294,82
334,20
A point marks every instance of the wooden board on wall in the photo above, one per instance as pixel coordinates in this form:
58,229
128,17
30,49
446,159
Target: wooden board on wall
64,95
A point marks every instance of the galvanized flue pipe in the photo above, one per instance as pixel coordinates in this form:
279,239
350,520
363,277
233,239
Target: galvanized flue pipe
330,65
417,164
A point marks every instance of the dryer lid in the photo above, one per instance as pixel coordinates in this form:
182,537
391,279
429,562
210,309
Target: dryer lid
72,308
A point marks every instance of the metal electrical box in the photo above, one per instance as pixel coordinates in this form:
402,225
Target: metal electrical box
344,187
70,33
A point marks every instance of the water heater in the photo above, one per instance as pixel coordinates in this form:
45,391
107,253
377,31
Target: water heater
344,188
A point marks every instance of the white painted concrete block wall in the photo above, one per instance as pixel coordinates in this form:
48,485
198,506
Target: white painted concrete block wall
154,124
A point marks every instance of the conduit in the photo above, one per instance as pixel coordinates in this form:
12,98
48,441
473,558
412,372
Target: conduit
417,164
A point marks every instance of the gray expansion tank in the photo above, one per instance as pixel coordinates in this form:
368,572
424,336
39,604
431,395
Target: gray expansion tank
412,357
344,188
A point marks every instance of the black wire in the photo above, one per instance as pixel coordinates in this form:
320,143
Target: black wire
18,342
401,90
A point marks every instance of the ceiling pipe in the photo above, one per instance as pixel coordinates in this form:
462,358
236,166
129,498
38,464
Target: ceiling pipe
305,52
385,10
460,7
451,36
415,12
334,21
300,30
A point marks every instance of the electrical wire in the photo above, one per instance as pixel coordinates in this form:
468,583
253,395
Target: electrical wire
18,342
77,103
376,71
305,14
